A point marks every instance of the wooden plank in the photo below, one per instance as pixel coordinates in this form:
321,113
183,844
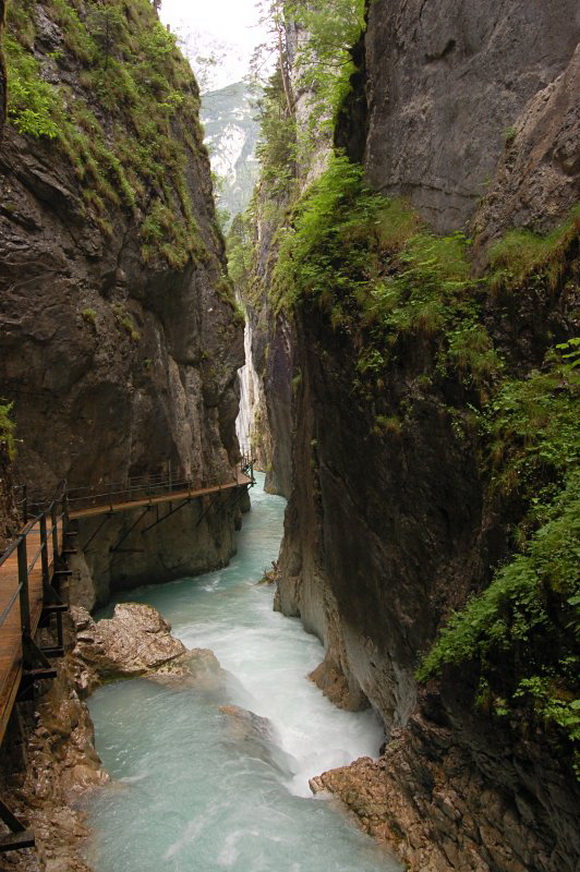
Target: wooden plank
10,659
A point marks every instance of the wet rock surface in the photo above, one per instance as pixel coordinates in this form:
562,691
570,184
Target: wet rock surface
445,84
137,642
49,761
433,796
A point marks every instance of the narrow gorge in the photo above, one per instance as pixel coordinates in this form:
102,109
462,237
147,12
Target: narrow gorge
408,271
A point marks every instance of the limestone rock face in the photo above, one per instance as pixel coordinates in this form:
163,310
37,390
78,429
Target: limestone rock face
119,360
155,546
120,401
538,175
445,84
429,783
272,354
381,530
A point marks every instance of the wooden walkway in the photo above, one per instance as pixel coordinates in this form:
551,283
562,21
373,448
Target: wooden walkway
27,567
184,491
30,571
26,570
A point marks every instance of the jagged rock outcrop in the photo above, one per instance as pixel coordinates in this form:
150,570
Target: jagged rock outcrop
446,85
136,642
537,178
48,757
461,797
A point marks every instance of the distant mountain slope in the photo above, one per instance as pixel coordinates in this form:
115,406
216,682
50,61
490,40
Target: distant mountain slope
231,134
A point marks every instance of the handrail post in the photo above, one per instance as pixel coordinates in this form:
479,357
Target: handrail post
44,551
65,517
54,532
23,581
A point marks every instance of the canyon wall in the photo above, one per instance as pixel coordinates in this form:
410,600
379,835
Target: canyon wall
120,339
395,517
446,85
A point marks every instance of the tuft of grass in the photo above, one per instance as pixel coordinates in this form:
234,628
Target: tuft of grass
89,315
522,254
8,429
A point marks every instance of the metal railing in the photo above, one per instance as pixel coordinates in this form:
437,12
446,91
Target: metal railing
25,579
149,485
132,488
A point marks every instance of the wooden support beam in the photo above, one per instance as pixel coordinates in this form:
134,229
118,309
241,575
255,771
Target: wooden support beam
17,841
19,836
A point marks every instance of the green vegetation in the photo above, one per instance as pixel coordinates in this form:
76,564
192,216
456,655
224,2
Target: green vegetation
33,104
7,429
125,321
382,280
522,633
129,130
324,64
367,261
276,150
321,69
89,315
522,254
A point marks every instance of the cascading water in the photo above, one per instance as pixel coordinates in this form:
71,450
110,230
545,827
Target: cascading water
249,394
193,789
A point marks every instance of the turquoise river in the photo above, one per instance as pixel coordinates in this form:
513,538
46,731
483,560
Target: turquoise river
187,791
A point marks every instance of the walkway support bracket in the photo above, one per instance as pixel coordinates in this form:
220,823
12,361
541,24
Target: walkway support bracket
19,836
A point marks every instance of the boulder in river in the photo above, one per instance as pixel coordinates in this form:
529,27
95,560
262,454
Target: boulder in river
135,642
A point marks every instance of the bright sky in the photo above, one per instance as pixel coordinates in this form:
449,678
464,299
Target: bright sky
227,28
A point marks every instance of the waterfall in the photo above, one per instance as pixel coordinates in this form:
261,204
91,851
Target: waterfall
249,394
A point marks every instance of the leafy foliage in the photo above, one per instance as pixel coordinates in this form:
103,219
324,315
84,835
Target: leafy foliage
7,429
324,63
367,261
130,130
523,631
276,149
33,105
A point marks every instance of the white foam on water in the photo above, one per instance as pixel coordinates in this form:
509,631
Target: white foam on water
202,795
